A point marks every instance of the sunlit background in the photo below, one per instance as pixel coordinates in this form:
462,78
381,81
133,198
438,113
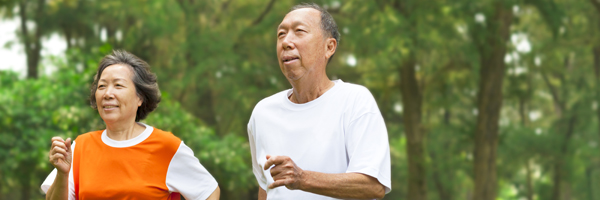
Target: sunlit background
498,96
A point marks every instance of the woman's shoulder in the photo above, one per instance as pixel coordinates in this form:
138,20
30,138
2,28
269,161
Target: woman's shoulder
165,137
92,134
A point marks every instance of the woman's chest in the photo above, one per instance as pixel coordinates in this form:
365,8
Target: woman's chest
122,174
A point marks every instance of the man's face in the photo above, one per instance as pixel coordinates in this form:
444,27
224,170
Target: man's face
301,46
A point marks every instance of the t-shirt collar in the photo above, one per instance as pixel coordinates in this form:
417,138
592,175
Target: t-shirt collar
127,143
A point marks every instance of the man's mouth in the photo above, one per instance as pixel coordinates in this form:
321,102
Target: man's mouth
289,59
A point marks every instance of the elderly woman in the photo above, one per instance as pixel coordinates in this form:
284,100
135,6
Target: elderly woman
129,159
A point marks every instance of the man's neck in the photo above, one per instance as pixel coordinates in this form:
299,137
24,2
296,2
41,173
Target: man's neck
307,90
124,131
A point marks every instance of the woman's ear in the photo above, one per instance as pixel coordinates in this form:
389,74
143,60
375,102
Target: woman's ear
140,101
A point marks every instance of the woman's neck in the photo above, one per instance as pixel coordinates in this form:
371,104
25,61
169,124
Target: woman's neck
120,132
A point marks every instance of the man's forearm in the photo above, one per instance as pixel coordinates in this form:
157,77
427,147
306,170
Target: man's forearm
59,190
262,194
344,185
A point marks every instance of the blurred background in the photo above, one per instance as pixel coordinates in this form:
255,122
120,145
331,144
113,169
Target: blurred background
487,99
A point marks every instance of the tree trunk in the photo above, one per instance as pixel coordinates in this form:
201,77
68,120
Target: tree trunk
111,36
522,111
32,43
205,108
490,103
25,194
596,54
556,179
566,124
411,99
529,182
25,187
438,170
443,192
596,5
589,171
68,38
560,161
597,70
2,182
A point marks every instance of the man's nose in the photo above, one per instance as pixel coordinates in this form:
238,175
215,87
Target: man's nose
288,42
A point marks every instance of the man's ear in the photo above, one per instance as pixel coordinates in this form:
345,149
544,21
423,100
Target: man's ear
331,46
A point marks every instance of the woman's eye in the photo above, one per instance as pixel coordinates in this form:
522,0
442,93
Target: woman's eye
100,86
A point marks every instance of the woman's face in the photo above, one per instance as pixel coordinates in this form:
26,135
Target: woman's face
116,97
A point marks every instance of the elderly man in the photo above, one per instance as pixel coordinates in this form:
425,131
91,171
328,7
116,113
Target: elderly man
322,139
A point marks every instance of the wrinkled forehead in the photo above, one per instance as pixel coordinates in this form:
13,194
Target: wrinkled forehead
117,70
307,16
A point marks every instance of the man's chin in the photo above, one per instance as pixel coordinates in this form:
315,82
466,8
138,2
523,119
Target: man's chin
294,77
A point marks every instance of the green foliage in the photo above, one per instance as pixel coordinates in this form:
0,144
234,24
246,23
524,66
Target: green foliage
216,59
35,110
225,158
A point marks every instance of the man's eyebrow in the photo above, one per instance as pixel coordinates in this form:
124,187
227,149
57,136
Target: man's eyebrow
294,24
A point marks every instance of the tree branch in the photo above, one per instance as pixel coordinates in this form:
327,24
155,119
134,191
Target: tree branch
596,4
553,91
264,13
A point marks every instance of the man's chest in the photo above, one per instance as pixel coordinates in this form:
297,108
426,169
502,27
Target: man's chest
311,140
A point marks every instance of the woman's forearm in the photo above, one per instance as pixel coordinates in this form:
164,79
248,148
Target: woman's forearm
59,190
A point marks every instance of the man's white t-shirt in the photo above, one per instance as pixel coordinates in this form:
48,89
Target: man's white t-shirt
342,131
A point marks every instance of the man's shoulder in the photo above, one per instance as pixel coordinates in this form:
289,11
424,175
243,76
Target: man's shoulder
273,100
355,90
357,98
266,106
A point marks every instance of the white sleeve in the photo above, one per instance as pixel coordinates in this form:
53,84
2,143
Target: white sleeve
188,177
50,178
256,168
368,148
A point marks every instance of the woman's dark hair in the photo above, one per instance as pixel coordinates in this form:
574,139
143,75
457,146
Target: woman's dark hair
143,79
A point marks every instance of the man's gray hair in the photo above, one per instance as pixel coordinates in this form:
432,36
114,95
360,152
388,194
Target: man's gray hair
328,24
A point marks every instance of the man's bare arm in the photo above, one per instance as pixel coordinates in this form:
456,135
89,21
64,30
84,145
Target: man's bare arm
342,185
215,195
262,194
